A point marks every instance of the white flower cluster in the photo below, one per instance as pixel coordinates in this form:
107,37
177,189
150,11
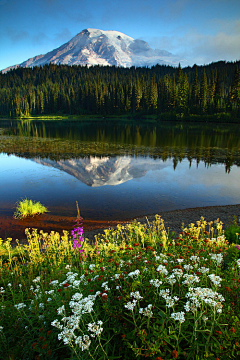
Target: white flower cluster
37,291
178,273
130,305
180,260
178,316
67,335
20,306
79,306
204,295
36,280
192,306
147,311
187,267
121,262
190,279
70,278
105,286
194,258
83,306
155,282
76,283
162,257
56,323
2,291
83,342
238,263
218,258
50,292
61,310
77,297
54,282
170,301
203,270
215,279
134,273
92,266
95,329
136,295
162,269
171,279
164,293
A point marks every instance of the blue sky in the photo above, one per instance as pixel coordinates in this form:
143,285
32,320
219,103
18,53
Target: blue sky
199,31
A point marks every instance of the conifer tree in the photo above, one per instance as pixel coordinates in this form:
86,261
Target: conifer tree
235,94
195,92
203,93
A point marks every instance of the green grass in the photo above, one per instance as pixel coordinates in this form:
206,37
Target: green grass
223,117
136,292
232,231
97,117
27,208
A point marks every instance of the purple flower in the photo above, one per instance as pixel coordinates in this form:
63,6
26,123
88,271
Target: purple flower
77,233
237,247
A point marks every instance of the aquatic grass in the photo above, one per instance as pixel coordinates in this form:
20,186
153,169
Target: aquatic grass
27,208
135,292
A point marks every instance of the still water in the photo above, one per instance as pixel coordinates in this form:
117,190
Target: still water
118,170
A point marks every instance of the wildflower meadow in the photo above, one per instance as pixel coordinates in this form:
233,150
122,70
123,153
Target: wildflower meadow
136,292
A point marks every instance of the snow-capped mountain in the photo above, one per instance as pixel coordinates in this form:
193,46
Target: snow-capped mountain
98,47
96,171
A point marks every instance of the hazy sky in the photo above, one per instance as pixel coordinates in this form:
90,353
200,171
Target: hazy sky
198,31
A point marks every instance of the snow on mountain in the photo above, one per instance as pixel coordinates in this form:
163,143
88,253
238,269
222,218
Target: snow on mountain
98,47
95,171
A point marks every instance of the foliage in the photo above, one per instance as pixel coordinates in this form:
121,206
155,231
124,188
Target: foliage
27,207
232,231
136,292
103,90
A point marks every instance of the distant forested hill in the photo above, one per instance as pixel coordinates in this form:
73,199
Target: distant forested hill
108,90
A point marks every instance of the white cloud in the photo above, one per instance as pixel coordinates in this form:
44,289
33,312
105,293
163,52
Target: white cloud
201,48
198,47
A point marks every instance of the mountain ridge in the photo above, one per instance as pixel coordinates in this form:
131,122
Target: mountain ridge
98,47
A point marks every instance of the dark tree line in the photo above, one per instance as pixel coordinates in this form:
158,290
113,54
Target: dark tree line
79,90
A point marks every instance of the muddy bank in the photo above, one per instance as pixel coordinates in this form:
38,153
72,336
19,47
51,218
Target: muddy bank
15,228
173,220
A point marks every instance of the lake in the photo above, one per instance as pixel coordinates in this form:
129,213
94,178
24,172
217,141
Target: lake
115,170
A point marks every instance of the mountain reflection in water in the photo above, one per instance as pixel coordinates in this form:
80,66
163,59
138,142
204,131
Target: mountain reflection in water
153,167
63,140
98,171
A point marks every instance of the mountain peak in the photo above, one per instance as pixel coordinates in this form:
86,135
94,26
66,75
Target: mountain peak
102,47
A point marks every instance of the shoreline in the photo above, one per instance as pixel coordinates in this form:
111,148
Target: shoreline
223,118
173,220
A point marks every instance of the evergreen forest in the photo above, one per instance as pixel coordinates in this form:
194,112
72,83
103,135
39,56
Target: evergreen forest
163,91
